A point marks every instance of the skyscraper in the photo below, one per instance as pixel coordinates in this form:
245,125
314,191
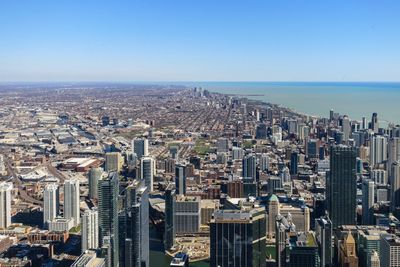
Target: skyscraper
378,150
342,185
180,179
136,231
393,153
273,211
147,171
114,162
249,164
237,238
140,146
323,233
368,192
94,176
90,230
72,200
389,251
294,159
374,122
5,204
395,188
50,203
108,216
169,233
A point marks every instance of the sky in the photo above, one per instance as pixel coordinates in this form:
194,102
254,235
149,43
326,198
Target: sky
199,40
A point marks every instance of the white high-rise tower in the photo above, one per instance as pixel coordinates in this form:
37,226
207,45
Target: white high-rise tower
5,204
50,203
90,230
71,200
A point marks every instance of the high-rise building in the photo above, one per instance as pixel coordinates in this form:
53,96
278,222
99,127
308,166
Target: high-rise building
222,145
303,249
50,203
264,162
395,188
94,175
378,150
90,230
72,200
5,204
114,162
312,149
136,228
375,261
368,193
323,234
140,147
342,186
389,251
180,179
374,122
346,128
273,211
169,233
368,242
347,252
187,214
237,238
108,216
249,165
147,169
393,153
261,131
294,161
380,177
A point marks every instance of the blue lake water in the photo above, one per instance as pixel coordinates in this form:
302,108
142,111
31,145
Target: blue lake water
355,99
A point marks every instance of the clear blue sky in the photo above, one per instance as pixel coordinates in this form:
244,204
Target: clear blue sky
199,40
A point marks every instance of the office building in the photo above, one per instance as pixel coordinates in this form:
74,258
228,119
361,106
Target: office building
294,161
368,197
72,201
237,238
374,123
380,177
312,149
273,211
94,175
395,188
303,249
389,251
114,162
368,242
393,153
347,252
5,204
147,169
136,229
342,186
180,179
90,230
50,203
378,150
222,145
169,232
261,131
140,147
187,214
249,165
323,234
108,217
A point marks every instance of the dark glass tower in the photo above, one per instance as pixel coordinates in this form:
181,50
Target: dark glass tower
180,179
136,232
342,185
250,167
169,234
237,238
294,159
108,215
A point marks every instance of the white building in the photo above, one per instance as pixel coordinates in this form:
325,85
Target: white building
90,230
72,201
50,203
5,204
60,224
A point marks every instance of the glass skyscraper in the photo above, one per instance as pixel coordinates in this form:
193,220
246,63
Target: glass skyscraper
342,185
